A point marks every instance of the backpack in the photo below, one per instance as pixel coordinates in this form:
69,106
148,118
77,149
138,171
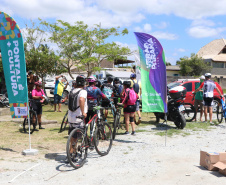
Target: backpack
136,87
131,97
72,101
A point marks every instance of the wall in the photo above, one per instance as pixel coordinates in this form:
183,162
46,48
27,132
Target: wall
171,73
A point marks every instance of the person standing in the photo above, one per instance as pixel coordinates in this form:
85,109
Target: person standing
77,106
58,91
199,98
208,87
108,90
38,96
129,101
137,88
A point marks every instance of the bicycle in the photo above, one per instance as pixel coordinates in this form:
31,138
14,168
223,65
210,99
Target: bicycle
221,111
33,119
79,141
116,124
64,122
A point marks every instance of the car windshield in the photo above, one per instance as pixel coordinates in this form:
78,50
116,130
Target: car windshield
173,84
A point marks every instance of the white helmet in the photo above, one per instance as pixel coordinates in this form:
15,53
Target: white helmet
202,77
208,75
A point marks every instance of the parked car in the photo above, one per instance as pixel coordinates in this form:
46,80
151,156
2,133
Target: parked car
190,86
49,83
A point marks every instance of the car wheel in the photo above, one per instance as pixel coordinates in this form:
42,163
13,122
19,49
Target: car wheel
215,104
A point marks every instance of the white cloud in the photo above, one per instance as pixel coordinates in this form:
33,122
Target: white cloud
147,28
203,22
204,31
181,50
164,35
162,25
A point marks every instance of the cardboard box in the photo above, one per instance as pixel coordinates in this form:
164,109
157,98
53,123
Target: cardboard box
221,165
208,159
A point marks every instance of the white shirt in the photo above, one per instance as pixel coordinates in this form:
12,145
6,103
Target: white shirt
72,115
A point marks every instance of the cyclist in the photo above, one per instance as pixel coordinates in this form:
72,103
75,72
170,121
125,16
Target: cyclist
208,87
118,89
93,93
38,96
129,96
137,88
108,90
77,106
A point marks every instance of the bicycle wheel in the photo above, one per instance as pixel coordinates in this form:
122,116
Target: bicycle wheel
33,122
189,112
220,113
64,123
103,139
77,148
115,125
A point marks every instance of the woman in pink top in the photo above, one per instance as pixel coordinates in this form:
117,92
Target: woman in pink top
38,96
129,110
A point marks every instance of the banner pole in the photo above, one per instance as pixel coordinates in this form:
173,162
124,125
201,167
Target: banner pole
165,117
29,126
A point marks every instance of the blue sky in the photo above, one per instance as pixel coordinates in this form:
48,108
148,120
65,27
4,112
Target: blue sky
182,27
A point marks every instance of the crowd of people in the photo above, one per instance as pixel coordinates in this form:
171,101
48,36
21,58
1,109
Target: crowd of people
89,92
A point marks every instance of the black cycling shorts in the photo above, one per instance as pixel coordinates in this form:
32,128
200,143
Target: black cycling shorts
129,109
208,101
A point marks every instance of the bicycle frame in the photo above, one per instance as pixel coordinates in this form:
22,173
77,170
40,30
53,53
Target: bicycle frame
223,107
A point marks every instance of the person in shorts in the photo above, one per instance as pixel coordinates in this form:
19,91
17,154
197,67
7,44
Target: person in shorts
82,109
199,98
137,88
38,97
58,91
208,87
129,110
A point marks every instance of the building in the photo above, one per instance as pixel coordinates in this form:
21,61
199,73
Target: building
172,70
214,53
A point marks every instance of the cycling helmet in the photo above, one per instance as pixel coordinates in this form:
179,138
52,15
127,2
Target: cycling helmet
91,79
127,83
202,77
133,75
208,75
116,79
110,79
80,81
38,83
98,83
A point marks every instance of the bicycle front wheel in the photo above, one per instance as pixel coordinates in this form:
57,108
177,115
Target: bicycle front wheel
64,123
220,113
189,112
77,148
103,139
33,122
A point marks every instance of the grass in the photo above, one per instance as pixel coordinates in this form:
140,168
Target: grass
224,91
50,143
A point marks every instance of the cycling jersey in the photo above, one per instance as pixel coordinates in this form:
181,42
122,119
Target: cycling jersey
93,93
208,87
108,90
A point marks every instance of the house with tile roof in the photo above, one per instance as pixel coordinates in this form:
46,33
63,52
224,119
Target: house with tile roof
214,53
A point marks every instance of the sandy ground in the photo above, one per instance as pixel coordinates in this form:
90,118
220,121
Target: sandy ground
142,159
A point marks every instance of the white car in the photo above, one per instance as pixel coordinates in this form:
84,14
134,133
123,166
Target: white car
49,83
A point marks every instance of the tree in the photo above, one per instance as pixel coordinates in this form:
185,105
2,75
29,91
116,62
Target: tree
85,47
193,66
39,57
168,64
